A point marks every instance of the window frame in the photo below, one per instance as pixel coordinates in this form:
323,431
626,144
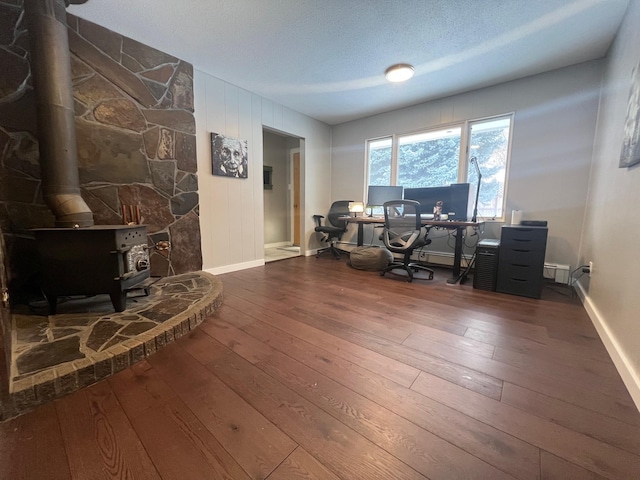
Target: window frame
464,155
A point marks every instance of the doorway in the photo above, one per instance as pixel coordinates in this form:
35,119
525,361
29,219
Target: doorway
282,166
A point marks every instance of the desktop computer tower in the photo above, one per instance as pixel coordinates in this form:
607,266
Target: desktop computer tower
485,273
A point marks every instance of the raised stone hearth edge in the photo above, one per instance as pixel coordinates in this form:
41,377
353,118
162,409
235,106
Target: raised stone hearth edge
29,391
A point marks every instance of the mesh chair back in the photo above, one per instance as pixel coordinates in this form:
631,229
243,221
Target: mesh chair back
338,209
402,225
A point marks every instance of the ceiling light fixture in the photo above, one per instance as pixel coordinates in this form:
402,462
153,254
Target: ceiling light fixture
399,72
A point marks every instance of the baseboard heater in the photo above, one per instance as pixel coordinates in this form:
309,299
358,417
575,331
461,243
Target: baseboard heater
558,272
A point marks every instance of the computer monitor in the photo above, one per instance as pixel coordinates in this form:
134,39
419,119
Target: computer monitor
461,202
377,195
428,197
456,199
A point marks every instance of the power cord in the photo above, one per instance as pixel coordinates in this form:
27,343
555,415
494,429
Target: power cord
582,269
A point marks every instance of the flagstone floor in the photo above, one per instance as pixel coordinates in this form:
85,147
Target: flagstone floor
86,341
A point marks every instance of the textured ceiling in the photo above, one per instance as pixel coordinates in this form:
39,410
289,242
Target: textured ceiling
326,58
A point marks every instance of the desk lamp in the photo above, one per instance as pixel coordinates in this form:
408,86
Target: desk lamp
356,207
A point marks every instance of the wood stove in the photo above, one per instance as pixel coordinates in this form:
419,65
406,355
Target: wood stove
94,260
76,258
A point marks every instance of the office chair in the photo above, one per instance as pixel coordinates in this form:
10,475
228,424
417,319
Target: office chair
403,234
333,229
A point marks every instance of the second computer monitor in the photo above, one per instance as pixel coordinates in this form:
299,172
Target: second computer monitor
377,195
455,198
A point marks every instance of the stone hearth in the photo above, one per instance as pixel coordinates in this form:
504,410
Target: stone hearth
53,355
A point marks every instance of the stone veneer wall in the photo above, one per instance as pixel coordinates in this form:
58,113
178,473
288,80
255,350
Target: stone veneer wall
136,142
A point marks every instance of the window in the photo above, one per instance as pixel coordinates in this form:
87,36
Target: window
440,157
489,143
380,162
429,159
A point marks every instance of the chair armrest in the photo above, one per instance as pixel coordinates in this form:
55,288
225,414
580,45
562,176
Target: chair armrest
318,220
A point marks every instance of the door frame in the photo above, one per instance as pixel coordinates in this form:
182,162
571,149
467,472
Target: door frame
292,196
299,148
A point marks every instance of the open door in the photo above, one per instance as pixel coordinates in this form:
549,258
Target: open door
283,158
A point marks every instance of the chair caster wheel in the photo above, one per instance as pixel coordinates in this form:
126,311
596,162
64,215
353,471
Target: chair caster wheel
382,273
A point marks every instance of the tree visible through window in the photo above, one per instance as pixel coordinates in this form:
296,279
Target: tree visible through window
380,162
429,159
489,143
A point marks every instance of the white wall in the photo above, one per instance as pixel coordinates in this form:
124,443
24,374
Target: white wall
612,223
554,125
231,209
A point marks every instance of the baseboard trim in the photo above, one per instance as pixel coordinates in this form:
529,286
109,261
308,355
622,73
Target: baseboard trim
630,376
235,267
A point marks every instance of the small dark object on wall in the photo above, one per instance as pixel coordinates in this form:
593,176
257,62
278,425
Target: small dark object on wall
267,177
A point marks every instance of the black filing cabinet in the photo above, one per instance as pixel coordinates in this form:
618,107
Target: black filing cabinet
485,273
521,260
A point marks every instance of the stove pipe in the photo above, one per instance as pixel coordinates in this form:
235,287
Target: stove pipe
51,70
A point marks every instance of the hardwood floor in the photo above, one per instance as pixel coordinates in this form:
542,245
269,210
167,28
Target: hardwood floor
313,370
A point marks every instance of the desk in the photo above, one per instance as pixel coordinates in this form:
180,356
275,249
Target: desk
458,226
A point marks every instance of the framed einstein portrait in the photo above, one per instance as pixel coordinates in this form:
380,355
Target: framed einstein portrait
630,154
228,156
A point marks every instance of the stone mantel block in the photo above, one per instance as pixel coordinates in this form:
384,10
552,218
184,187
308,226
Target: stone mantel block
110,69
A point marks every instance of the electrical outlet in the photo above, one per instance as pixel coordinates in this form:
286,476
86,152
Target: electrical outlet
590,268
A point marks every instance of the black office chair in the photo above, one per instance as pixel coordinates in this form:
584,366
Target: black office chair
403,233
333,229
